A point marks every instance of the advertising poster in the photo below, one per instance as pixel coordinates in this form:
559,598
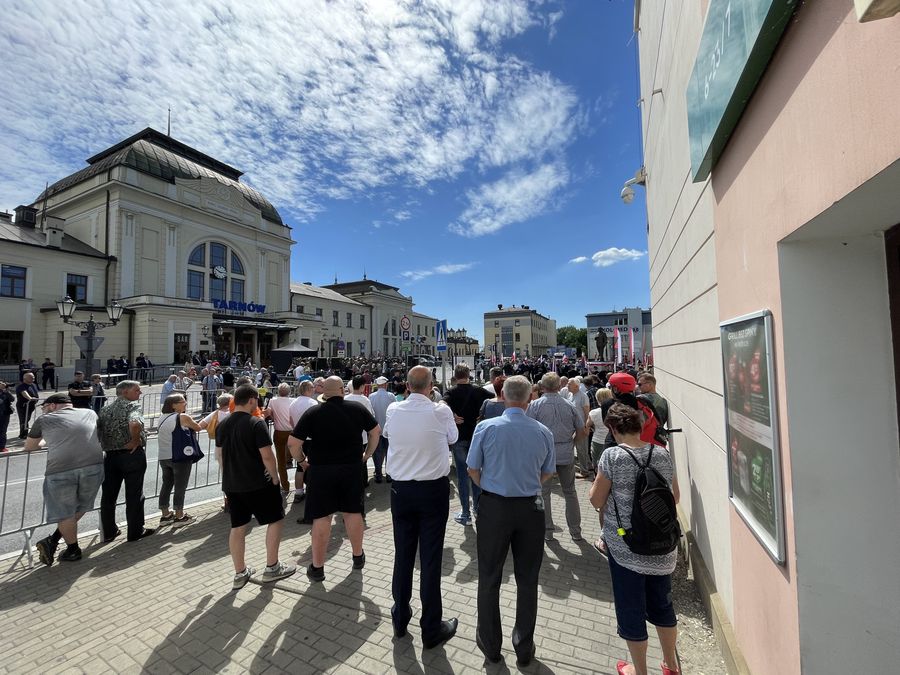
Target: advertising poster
754,463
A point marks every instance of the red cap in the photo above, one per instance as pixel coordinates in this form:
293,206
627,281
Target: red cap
623,382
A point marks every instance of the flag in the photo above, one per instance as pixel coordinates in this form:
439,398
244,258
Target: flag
618,342
631,345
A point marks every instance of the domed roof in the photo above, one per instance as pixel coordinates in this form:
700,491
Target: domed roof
158,155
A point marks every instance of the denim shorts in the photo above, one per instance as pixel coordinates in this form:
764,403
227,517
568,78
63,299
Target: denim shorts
640,598
69,492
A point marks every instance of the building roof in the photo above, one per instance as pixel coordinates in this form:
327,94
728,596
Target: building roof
361,286
323,293
31,236
523,309
152,152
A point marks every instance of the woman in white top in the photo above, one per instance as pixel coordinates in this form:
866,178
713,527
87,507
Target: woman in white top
174,474
213,420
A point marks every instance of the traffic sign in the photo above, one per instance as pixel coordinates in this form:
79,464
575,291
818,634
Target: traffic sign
441,333
404,334
84,343
341,348
404,323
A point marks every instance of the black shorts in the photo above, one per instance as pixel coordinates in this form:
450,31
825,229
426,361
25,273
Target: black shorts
265,504
333,488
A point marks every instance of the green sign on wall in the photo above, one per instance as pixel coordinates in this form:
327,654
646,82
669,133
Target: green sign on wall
738,41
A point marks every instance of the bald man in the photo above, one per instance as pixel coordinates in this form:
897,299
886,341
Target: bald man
327,441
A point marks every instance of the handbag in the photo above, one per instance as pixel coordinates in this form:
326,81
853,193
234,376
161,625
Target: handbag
185,446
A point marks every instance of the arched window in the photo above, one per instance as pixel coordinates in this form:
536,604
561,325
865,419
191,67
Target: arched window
221,279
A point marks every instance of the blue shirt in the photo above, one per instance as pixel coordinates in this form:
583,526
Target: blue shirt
512,452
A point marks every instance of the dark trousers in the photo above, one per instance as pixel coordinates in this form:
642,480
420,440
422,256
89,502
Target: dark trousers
129,467
419,510
379,455
177,475
47,380
505,523
24,412
4,425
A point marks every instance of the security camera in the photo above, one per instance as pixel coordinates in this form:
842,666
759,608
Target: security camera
640,178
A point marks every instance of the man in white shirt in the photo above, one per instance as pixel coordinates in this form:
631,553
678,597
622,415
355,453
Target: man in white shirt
279,411
421,433
300,405
298,371
380,399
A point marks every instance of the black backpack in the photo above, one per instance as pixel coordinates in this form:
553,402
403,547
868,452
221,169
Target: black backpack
654,523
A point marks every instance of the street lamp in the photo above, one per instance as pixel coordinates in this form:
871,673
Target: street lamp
205,330
66,308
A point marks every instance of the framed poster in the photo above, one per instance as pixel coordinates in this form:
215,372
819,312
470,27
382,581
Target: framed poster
751,428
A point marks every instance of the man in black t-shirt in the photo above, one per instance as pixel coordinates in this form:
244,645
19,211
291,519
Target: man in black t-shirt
327,442
465,401
80,391
250,481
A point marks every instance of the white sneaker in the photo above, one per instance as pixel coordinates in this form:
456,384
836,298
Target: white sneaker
241,578
278,571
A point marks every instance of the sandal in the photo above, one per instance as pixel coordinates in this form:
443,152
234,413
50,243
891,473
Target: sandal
600,546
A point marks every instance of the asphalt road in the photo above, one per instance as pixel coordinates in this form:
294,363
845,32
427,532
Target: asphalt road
22,499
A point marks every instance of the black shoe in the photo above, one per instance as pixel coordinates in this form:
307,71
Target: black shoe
110,538
379,479
493,658
400,629
525,659
71,554
447,631
146,533
359,561
46,549
315,573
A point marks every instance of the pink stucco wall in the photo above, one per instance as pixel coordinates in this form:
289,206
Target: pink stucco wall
822,121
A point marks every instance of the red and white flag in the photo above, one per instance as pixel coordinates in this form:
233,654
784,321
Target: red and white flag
631,344
618,340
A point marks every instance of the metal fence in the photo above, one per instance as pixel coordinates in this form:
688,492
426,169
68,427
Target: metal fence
22,508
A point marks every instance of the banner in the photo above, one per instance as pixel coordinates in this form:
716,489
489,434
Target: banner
751,430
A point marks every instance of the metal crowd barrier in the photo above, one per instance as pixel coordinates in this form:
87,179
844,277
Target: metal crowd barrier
14,512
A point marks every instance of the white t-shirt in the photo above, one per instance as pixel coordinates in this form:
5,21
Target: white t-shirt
298,371
600,430
281,412
367,404
300,405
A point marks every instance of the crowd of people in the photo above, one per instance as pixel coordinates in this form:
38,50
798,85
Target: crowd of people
511,440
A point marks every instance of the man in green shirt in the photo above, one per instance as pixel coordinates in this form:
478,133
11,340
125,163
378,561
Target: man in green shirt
121,429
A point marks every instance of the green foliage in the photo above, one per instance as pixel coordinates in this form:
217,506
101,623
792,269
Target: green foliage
570,336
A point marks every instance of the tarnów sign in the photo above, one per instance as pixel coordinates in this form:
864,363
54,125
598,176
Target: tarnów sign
738,41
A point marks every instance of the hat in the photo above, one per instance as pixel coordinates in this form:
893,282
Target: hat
623,382
57,398
381,380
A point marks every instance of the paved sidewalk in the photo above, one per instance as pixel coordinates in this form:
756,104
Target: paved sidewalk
164,604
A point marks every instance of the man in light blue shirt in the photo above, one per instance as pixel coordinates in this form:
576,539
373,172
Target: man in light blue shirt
510,458
380,399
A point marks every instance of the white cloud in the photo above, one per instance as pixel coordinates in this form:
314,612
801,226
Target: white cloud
515,198
611,256
324,99
579,259
418,275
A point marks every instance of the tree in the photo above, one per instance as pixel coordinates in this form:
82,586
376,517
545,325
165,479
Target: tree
570,336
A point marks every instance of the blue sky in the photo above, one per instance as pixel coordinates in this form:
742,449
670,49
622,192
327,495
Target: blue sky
470,152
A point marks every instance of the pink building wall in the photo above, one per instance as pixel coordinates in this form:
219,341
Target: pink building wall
822,121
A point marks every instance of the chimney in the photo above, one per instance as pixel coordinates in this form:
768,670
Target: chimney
26,216
54,228
5,218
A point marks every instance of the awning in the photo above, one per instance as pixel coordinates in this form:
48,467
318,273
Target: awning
244,323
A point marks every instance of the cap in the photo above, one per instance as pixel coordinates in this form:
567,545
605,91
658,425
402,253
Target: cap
623,382
381,380
57,398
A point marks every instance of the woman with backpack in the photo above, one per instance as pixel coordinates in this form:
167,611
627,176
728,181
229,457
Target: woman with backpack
635,493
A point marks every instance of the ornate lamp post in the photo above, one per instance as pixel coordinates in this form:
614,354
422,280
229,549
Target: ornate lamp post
66,308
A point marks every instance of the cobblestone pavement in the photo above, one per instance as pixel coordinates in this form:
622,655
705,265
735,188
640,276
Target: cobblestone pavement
164,604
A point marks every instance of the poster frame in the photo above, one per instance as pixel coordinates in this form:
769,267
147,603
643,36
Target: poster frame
775,547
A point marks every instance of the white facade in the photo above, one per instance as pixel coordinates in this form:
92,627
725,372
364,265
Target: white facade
185,247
